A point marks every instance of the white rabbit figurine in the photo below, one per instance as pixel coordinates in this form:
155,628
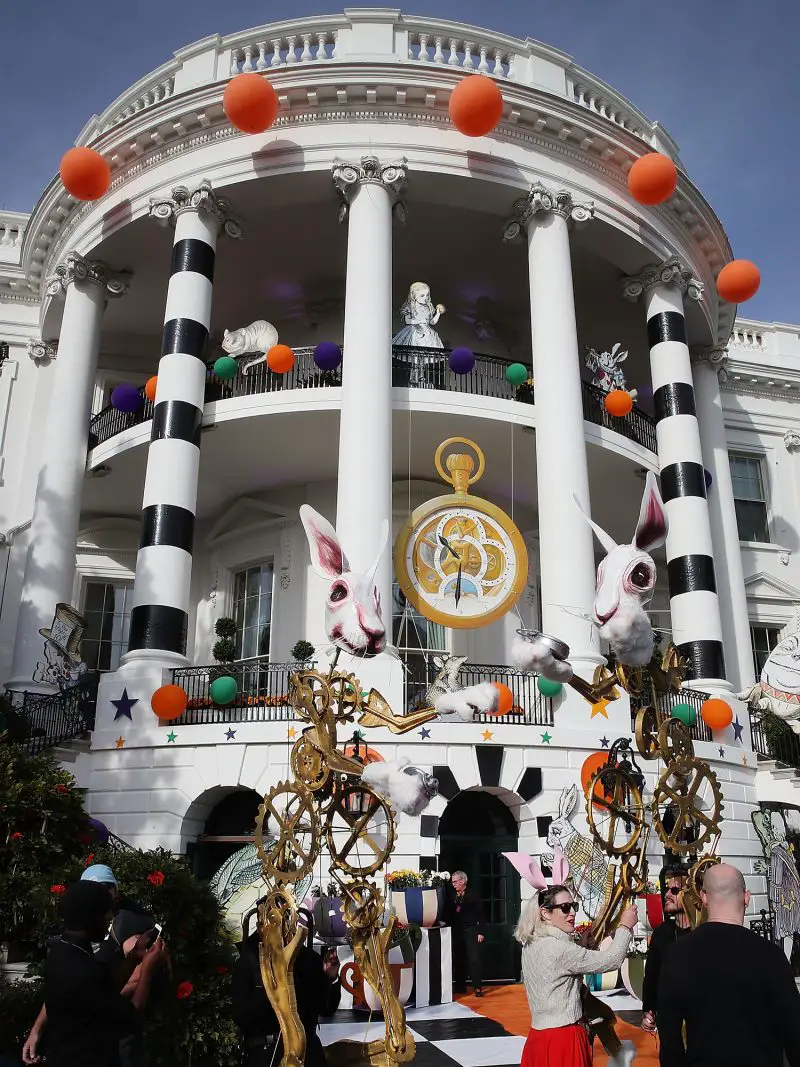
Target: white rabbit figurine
353,620
591,873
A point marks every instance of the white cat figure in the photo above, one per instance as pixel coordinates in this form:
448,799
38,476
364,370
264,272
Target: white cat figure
260,336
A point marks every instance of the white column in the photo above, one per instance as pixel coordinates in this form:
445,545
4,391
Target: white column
707,368
50,562
566,550
370,194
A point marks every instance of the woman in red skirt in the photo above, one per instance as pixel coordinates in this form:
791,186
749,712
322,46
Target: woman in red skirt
553,966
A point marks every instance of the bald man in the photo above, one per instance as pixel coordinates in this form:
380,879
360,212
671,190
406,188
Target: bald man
733,990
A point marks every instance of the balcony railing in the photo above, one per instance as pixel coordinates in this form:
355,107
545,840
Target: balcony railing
664,702
774,739
415,368
50,719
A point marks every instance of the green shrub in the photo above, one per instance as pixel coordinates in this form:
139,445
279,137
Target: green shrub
302,651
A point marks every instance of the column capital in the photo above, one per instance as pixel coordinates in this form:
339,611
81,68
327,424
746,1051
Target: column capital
542,201
791,441
76,268
672,271
712,355
202,199
42,351
393,177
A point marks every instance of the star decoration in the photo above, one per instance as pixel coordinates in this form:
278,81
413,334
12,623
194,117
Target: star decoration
291,732
230,734
487,735
604,742
124,705
424,733
737,729
721,750
600,707
546,738
359,734
120,742
171,737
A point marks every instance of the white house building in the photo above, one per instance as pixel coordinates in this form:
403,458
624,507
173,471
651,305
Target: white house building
155,524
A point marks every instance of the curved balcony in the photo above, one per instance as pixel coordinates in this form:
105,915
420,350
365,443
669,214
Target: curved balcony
415,368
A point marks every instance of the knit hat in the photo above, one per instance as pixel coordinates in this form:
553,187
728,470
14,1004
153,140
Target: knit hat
84,905
99,872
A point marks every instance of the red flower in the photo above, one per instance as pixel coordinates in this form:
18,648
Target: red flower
57,890
84,838
222,969
184,990
88,859
62,789
16,836
157,878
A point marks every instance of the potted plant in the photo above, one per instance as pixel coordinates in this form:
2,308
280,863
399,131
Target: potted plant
224,649
418,896
301,651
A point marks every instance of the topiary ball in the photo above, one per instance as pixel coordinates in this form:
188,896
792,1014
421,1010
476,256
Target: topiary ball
516,373
226,368
223,690
127,398
328,355
685,713
548,688
461,360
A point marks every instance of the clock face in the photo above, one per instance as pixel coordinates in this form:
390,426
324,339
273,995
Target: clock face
461,564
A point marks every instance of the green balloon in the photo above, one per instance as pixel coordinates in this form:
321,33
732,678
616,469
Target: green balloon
517,373
226,368
685,713
548,688
223,690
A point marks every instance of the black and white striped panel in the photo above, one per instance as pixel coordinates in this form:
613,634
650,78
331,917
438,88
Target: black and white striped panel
159,616
694,605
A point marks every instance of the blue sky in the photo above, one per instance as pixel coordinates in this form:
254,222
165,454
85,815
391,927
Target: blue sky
723,76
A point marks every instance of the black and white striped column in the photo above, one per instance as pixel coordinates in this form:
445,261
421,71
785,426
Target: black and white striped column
160,611
694,604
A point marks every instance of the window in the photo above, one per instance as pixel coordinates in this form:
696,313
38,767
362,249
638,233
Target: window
107,608
749,497
763,639
252,609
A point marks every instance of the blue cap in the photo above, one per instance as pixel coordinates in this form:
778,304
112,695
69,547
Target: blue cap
99,872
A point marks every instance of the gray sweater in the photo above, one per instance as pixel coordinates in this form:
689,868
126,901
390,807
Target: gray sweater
553,966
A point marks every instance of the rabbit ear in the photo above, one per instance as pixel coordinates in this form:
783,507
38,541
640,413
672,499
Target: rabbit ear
605,540
327,557
652,527
560,867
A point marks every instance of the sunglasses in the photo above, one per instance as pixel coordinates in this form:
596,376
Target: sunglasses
675,890
565,909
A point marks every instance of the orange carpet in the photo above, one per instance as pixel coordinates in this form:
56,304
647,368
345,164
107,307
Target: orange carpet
508,1005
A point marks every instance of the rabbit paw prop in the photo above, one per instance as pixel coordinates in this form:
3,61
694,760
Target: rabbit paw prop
353,620
626,579
463,703
533,655
407,788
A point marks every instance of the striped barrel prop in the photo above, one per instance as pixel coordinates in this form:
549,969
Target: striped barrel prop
423,907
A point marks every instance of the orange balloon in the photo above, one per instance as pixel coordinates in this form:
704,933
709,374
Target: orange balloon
85,173
169,702
591,765
280,359
652,178
476,105
738,281
618,403
150,388
505,699
250,103
716,713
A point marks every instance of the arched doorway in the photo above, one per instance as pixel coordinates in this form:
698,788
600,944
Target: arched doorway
475,828
229,825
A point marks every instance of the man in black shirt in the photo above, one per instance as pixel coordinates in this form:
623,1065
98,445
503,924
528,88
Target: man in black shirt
86,1013
674,926
463,913
733,990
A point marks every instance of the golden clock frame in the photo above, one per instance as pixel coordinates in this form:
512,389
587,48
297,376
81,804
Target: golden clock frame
460,497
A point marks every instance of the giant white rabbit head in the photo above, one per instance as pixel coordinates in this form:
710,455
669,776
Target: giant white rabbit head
626,579
353,620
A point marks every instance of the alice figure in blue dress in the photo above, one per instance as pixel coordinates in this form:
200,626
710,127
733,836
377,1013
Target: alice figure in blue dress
420,316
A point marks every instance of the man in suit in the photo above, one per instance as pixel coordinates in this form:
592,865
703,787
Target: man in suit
464,914
732,990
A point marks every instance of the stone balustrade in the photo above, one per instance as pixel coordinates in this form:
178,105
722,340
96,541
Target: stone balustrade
12,230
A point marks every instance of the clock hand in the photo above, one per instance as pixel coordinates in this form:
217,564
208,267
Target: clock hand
446,544
458,584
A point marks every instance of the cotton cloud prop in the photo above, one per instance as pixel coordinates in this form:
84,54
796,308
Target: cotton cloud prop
407,788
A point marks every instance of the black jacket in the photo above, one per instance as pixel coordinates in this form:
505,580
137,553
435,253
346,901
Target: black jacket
664,936
465,913
736,995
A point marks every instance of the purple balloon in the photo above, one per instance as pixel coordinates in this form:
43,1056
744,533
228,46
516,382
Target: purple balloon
644,392
99,829
461,360
127,398
708,478
328,355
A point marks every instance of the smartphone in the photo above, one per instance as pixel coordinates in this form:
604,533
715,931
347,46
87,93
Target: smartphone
155,933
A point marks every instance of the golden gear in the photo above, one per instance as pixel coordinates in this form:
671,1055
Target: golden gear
310,694
681,823
309,765
296,829
690,897
362,905
612,792
358,807
646,730
346,696
675,743
280,909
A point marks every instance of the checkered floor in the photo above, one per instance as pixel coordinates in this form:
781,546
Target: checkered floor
452,1035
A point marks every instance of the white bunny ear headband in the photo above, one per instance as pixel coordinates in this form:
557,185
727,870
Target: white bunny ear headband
530,870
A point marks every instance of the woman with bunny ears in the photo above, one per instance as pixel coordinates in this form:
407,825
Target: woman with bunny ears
553,966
